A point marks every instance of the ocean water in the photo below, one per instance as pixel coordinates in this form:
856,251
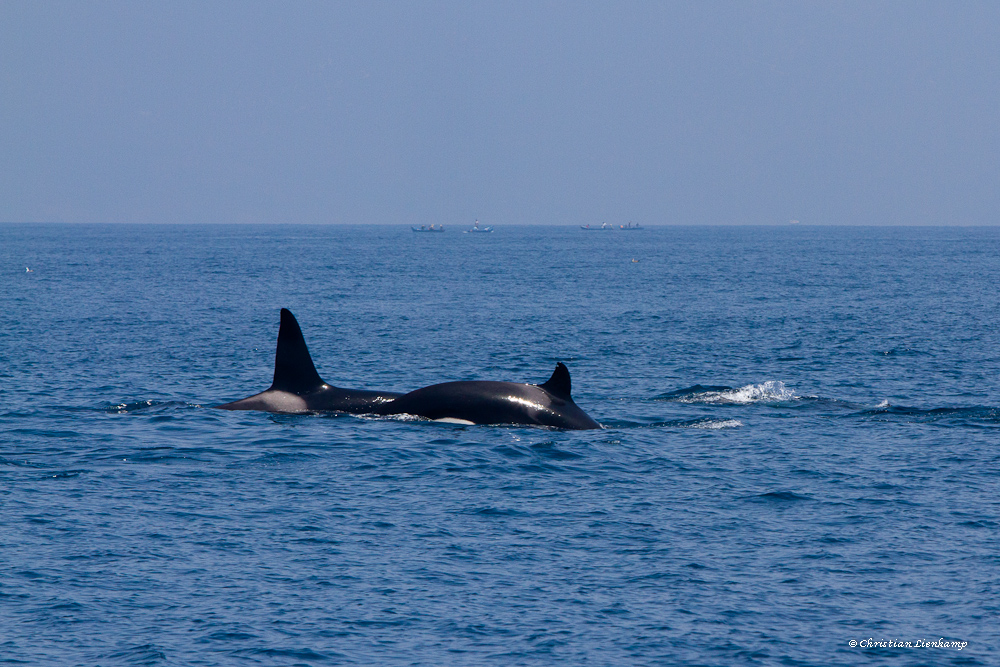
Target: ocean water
801,448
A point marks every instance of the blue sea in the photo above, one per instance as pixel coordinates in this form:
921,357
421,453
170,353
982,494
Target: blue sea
801,448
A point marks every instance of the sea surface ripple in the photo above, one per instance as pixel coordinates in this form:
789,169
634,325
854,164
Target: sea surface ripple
801,447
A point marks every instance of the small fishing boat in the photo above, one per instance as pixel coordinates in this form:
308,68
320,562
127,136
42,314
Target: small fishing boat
430,228
476,229
604,227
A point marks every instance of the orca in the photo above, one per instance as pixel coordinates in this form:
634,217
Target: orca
481,402
297,387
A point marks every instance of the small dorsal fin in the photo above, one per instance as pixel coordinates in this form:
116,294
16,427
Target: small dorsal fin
559,383
293,367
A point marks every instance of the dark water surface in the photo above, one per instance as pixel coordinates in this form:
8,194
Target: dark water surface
802,448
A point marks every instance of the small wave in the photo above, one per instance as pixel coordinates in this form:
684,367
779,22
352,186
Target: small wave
65,474
129,407
138,406
146,654
772,391
901,352
885,411
549,451
696,390
489,510
703,423
780,496
402,417
717,423
304,654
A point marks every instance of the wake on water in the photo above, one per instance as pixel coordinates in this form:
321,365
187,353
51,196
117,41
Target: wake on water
772,391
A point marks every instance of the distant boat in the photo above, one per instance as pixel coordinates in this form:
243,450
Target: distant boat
476,229
431,228
606,227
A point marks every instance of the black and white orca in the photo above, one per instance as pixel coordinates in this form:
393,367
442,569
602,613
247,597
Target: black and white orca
297,387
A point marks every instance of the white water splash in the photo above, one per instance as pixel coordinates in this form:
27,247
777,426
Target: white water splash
715,424
772,391
402,417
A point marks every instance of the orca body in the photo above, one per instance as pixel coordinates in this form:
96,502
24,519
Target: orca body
297,387
479,402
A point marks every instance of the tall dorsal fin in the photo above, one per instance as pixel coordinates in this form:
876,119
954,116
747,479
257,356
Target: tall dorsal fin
293,367
559,383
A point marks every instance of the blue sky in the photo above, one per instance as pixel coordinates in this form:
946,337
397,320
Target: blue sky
510,112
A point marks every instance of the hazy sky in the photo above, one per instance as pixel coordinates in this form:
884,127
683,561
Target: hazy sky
511,112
